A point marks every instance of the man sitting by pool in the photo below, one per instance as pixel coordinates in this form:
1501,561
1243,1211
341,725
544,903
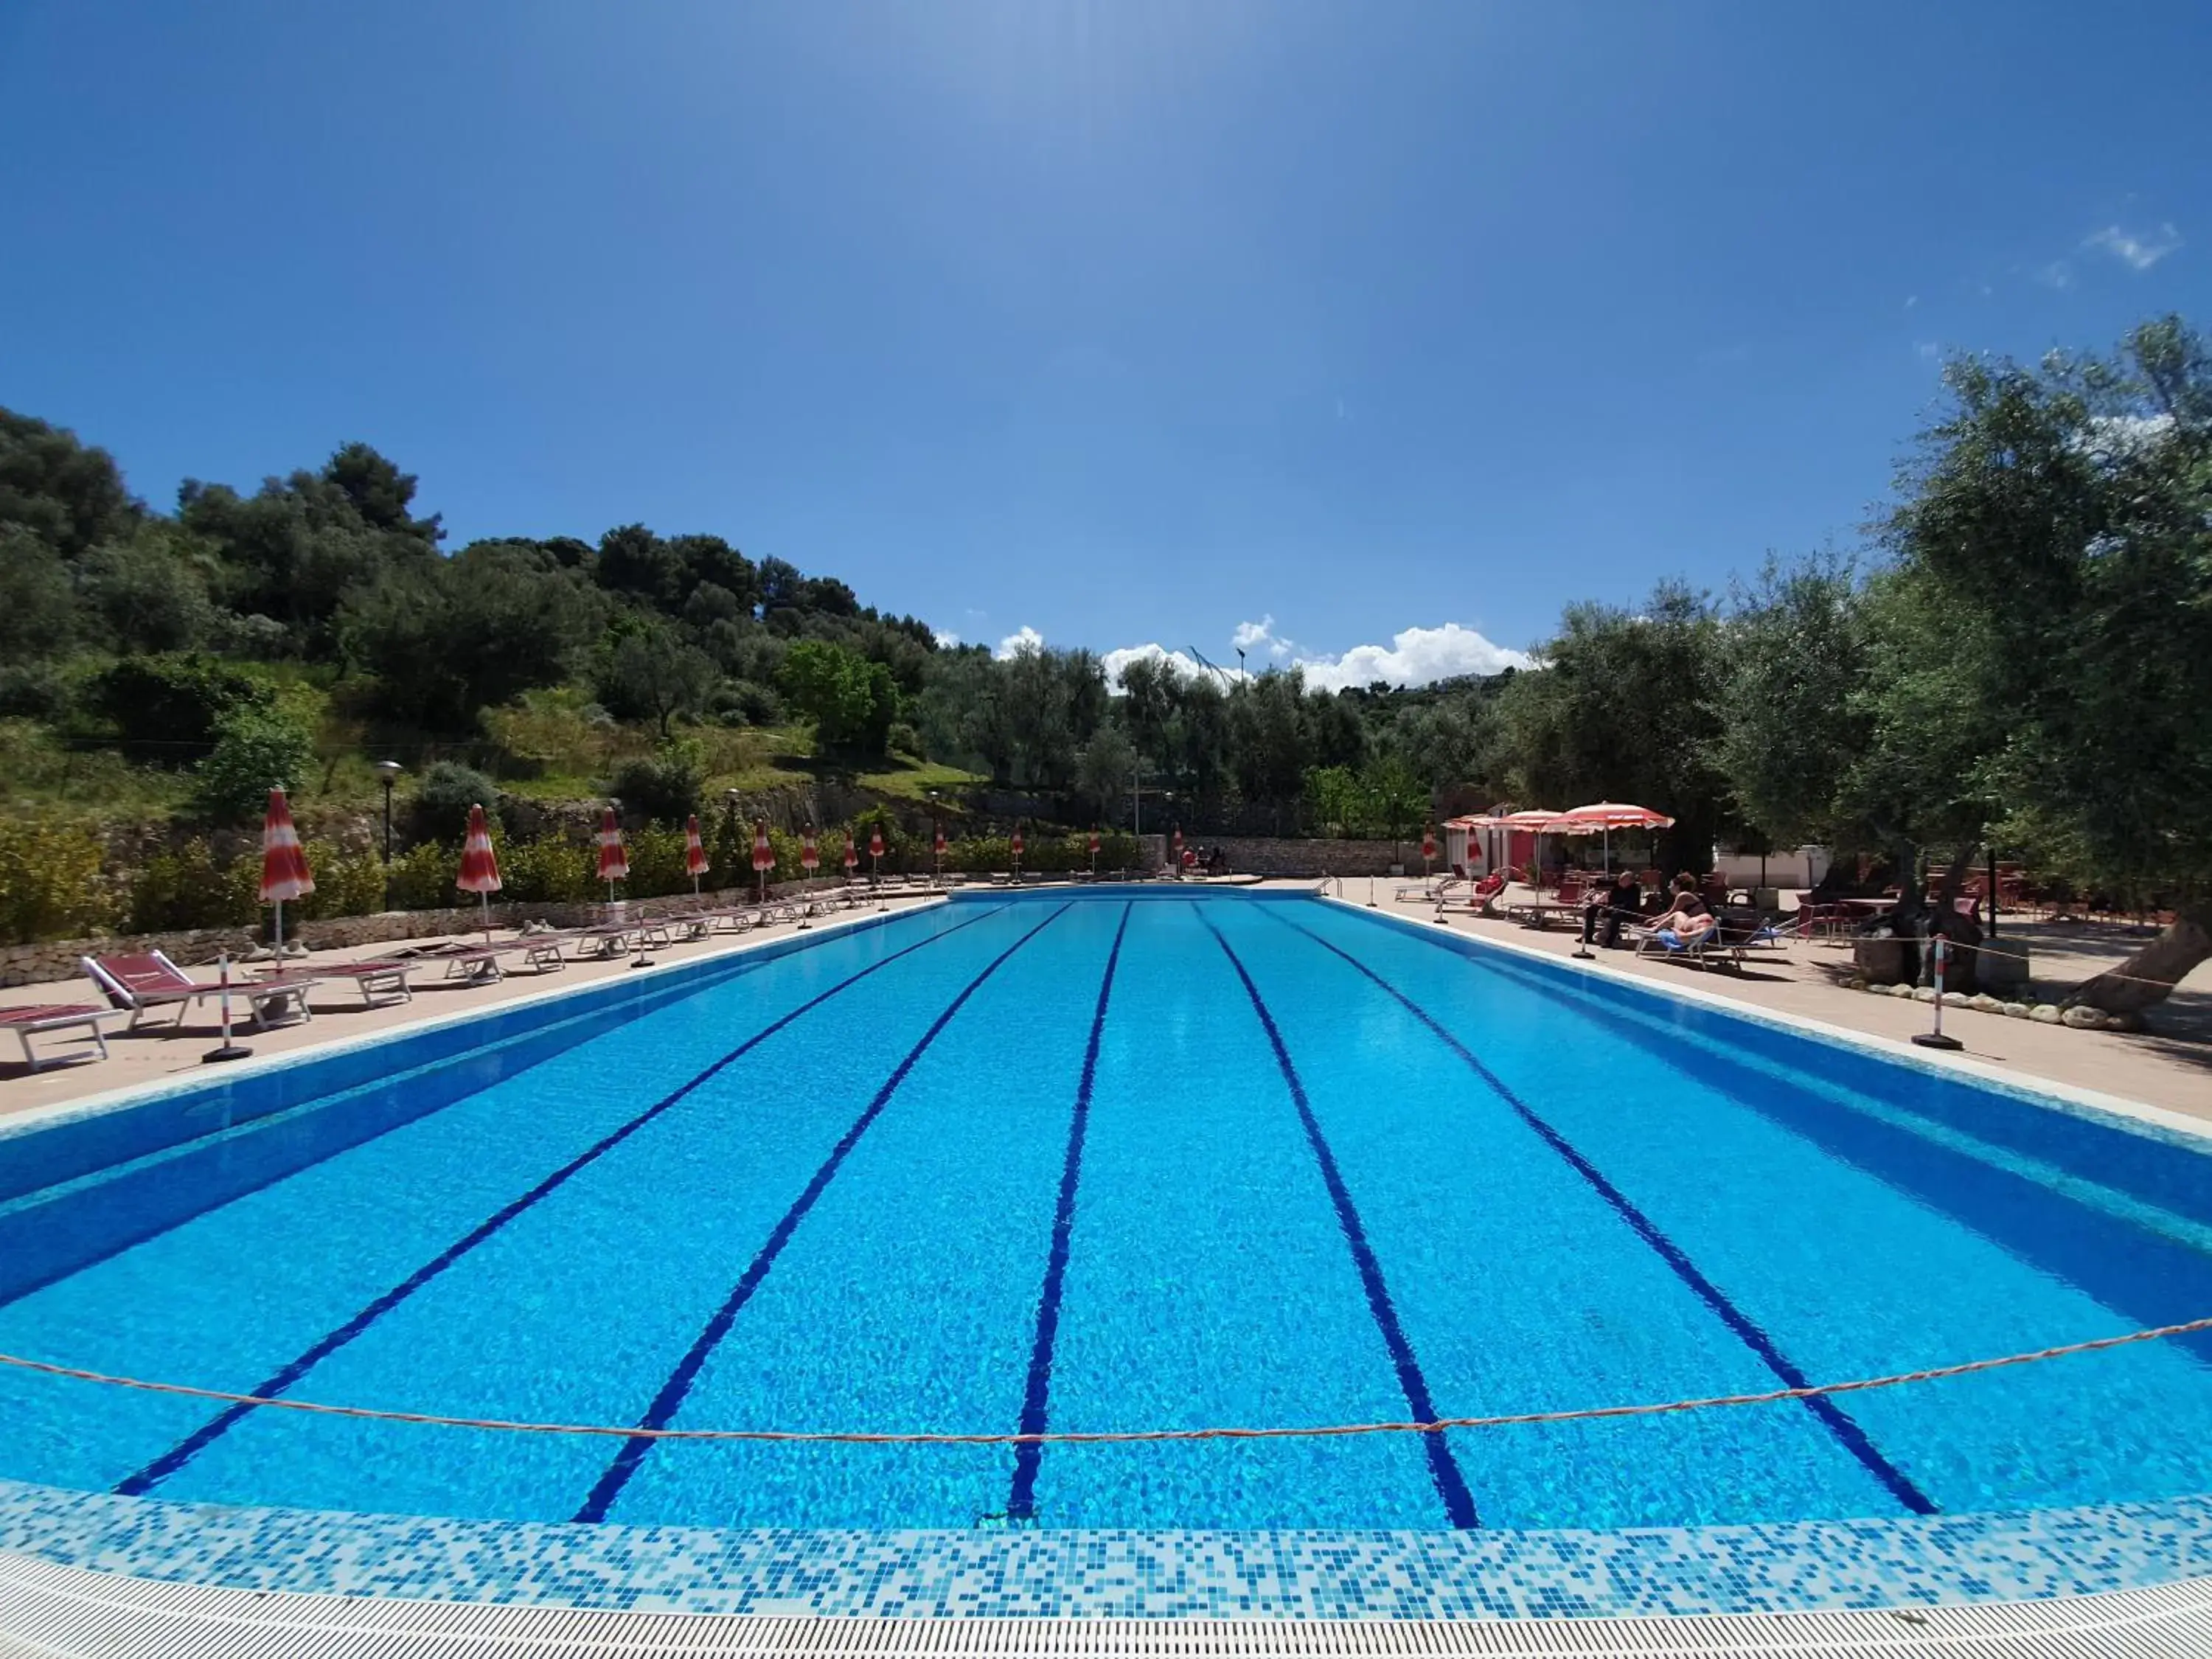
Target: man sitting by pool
1611,905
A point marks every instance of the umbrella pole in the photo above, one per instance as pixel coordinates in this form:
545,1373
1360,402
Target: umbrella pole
486,898
280,933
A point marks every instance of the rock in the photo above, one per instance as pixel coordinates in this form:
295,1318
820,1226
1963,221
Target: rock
1855,984
2125,1022
2083,1019
1986,1003
1924,993
2016,1010
2044,1013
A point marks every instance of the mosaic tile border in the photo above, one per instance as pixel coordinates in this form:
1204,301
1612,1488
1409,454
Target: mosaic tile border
1126,1574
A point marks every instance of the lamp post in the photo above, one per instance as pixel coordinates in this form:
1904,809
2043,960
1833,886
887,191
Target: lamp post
936,844
389,771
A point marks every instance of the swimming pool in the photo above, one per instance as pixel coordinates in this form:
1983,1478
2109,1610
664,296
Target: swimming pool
1078,1162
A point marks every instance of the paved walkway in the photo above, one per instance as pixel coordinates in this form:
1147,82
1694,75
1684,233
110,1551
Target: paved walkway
157,1049
2168,1066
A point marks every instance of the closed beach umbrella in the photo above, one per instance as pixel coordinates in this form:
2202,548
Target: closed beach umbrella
1175,851
1016,846
1428,848
763,855
1094,852
810,856
614,863
937,853
695,853
852,855
479,865
284,872
875,852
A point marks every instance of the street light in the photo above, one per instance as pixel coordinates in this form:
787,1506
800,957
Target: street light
936,841
390,770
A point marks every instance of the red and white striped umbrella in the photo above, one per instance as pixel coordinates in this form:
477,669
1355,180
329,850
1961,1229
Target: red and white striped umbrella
1094,843
284,872
852,854
1016,845
695,863
763,855
940,841
1428,843
810,856
876,840
614,863
479,865
1604,817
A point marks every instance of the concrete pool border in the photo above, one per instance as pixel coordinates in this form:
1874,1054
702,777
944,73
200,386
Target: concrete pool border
2179,1128
1131,1573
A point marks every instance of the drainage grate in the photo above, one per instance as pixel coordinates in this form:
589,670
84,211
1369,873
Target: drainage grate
48,1611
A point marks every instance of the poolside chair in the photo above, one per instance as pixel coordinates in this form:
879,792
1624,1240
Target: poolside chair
386,978
148,980
27,1023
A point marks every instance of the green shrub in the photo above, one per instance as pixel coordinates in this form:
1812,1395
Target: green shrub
346,884
255,750
187,889
51,886
549,871
664,786
422,878
440,809
656,863
171,709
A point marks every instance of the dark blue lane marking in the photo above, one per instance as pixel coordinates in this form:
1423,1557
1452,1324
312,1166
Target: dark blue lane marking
670,1400
1853,1438
1443,1467
1021,1502
216,1426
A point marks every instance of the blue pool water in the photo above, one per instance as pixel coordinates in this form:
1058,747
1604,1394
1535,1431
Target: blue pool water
1092,1163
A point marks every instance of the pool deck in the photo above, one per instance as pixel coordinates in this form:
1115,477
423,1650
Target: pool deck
2169,1066
157,1052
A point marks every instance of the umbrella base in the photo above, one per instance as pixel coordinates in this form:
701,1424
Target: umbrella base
228,1051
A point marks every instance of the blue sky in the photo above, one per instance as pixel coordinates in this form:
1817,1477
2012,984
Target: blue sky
1124,322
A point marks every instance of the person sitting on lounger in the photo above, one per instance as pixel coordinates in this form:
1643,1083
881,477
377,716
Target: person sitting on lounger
1689,920
1609,906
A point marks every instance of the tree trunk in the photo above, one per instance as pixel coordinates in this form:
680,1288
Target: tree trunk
2145,978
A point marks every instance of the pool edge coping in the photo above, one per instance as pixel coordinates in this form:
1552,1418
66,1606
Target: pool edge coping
2038,1089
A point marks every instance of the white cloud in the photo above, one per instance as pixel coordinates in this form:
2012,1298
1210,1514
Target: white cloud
1119,658
1025,638
1417,656
945,638
2139,252
1911,300
2057,274
1253,635
1928,348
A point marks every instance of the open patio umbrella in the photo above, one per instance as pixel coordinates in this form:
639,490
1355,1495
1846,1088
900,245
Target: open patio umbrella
614,862
695,854
1604,817
284,872
479,867
1536,821
763,855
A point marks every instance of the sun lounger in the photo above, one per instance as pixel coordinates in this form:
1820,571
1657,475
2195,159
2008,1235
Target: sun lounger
27,1023
384,977
146,981
1730,939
